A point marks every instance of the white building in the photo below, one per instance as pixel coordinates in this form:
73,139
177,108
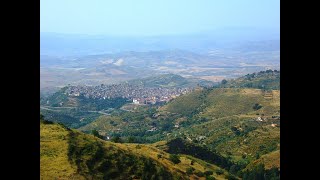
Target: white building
135,101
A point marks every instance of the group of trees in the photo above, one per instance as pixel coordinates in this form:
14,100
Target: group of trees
260,173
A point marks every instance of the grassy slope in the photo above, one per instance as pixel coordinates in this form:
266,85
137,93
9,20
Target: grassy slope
223,109
263,79
185,104
227,108
69,154
222,102
53,153
269,160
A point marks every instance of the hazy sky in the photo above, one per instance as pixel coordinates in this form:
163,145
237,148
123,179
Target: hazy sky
155,17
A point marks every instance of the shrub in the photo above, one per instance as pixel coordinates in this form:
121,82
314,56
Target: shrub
159,156
257,106
199,174
210,178
231,177
174,158
208,173
219,171
224,81
131,139
116,139
190,170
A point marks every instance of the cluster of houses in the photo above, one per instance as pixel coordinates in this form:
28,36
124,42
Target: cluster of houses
153,100
138,93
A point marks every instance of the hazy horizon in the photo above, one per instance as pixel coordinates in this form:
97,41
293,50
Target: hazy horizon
157,18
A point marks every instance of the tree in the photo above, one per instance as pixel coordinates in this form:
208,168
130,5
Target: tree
233,169
174,158
41,116
219,171
116,139
199,174
223,82
208,173
257,106
96,134
131,139
210,178
189,170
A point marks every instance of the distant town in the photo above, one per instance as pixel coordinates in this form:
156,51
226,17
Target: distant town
137,93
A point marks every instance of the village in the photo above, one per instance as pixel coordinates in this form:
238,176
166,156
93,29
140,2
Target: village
138,94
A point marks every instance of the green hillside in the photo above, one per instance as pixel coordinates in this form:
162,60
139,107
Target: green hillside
225,120
69,154
170,81
267,80
233,127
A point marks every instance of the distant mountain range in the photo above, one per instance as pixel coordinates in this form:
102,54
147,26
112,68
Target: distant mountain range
74,45
58,71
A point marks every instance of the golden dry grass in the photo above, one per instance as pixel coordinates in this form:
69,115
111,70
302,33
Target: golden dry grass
54,162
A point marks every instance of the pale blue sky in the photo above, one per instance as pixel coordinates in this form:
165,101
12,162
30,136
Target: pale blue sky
155,17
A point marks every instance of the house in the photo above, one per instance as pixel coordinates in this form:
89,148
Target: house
152,129
135,101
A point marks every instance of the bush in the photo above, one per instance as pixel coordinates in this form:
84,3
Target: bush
116,139
210,178
208,173
219,171
96,134
159,156
190,170
131,139
224,81
233,169
257,106
199,174
231,177
46,121
174,158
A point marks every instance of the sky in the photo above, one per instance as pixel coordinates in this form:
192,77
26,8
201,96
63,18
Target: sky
155,17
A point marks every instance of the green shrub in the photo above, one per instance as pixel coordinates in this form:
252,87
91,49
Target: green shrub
190,170
219,171
96,134
208,173
199,174
174,158
257,106
116,139
210,178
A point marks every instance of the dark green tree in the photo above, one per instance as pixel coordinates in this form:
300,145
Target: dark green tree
223,82
96,134
174,158
116,139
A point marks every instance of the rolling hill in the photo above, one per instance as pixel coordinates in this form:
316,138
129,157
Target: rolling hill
69,154
267,80
232,126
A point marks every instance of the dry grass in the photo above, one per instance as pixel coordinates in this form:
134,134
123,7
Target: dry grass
53,153
55,164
